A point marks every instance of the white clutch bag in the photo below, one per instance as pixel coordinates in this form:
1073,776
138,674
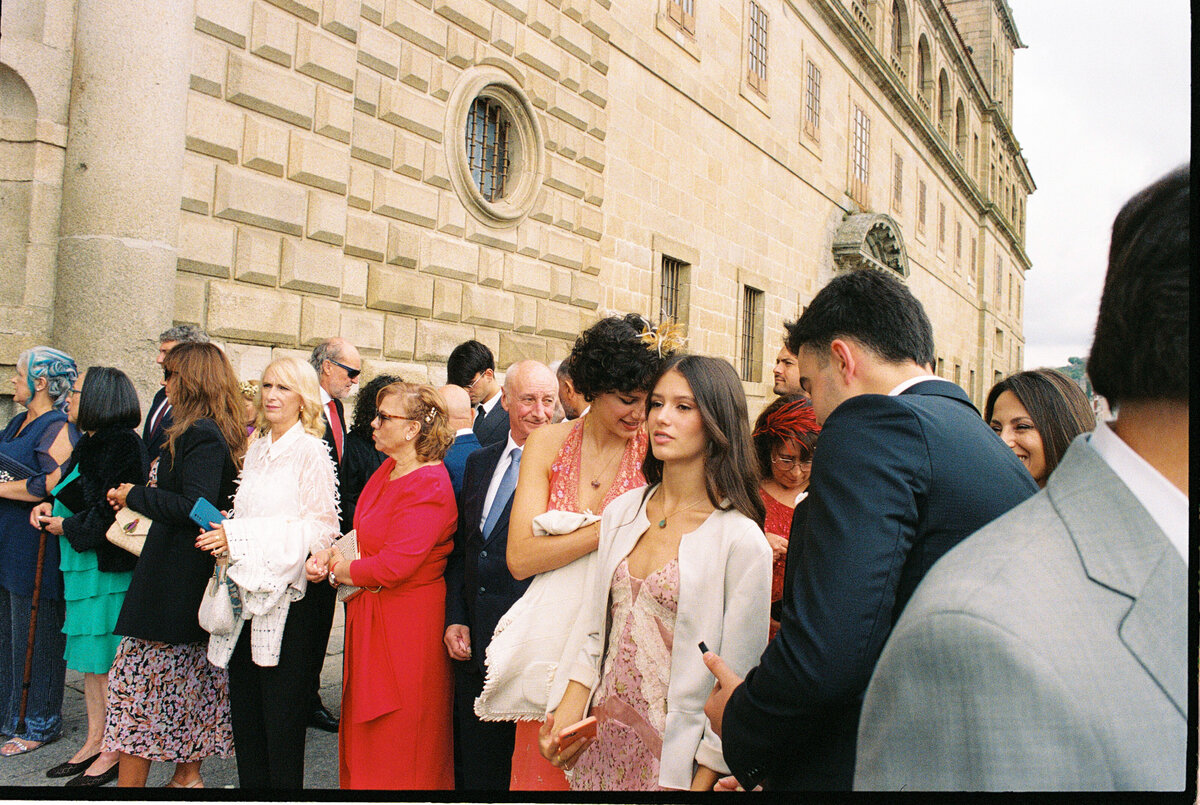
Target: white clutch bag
347,546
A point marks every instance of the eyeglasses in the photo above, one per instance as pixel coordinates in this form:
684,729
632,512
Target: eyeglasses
787,462
470,386
351,373
384,418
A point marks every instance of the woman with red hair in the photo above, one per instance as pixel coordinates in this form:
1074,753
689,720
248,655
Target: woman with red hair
785,436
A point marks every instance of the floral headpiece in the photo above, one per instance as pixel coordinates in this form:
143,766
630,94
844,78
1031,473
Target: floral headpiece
249,389
665,338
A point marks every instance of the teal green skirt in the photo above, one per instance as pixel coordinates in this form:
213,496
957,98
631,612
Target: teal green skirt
93,602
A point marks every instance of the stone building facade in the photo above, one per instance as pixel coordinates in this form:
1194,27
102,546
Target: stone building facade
412,173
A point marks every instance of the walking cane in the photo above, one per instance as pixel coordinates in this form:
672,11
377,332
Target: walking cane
33,615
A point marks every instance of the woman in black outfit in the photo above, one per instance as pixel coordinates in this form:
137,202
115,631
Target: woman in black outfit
360,459
165,700
96,573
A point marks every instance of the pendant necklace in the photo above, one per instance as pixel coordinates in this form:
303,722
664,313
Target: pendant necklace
595,482
663,522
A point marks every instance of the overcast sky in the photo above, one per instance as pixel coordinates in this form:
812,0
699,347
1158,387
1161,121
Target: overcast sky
1102,107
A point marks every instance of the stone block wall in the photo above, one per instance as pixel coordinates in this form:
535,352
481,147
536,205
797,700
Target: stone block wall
317,199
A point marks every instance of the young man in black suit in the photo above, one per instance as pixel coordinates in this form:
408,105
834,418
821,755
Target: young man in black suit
158,415
479,586
472,366
905,468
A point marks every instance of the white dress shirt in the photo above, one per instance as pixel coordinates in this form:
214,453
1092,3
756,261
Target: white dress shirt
1158,496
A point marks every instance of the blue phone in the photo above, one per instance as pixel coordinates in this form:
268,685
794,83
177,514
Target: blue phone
204,513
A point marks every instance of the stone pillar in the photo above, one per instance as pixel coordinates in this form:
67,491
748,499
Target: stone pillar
122,183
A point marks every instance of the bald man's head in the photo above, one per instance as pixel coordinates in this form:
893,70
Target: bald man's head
529,395
458,406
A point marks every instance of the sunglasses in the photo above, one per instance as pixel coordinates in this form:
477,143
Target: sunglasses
351,373
168,373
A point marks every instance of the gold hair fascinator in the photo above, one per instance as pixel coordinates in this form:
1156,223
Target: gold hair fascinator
249,389
666,338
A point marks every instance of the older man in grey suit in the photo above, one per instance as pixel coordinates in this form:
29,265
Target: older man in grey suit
1049,651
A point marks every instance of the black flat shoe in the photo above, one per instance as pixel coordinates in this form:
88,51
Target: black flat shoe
71,769
322,719
86,781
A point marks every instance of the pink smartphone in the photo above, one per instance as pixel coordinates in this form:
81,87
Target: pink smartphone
576,732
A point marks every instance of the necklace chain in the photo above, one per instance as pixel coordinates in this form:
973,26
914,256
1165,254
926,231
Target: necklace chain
663,522
595,482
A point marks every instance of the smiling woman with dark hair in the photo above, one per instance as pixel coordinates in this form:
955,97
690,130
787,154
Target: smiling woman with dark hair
1037,413
95,572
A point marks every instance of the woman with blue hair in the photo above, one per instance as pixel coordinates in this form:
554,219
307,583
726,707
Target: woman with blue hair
33,448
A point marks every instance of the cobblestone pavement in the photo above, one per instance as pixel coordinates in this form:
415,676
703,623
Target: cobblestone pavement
320,765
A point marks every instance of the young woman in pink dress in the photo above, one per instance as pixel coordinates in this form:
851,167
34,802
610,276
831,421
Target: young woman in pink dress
785,436
680,563
581,465
397,683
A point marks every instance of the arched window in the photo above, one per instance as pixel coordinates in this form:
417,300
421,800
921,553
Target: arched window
960,129
924,72
944,101
899,34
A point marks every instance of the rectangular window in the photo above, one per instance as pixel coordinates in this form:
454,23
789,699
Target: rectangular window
898,183
683,14
673,289
752,334
812,100
920,205
998,289
971,262
998,341
958,374
941,368
1018,302
860,155
941,225
756,49
1010,292
958,247
971,388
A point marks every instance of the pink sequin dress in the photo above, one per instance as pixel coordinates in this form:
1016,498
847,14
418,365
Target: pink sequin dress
531,771
631,702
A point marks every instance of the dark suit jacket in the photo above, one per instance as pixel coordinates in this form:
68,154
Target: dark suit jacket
456,458
896,482
360,459
170,576
155,439
493,427
479,588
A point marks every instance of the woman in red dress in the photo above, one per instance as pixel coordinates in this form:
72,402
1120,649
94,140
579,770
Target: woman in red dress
785,435
397,683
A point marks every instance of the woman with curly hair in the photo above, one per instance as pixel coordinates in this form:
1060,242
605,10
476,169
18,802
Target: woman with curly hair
1037,413
396,685
284,510
166,701
39,440
785,435
580,466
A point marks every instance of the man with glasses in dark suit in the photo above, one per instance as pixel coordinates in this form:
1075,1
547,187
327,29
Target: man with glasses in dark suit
472,366
338,365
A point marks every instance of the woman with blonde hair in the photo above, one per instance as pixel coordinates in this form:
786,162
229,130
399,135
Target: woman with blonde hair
285,508
397,686
166,701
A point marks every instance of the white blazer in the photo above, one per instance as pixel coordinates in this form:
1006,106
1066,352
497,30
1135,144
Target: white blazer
724,600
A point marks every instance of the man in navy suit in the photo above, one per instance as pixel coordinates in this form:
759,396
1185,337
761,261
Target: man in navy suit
905,469
479,587
461,416
158,415
472,366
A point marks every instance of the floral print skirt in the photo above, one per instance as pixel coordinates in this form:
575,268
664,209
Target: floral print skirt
167,702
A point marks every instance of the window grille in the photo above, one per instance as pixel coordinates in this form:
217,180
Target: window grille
756,50
921,205
812,100
752,334
958,247
683,14
672,277
971,258
860,166
898,182
941,224
487,147
998,290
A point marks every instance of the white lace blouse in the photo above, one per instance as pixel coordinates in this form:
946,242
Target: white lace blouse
285,508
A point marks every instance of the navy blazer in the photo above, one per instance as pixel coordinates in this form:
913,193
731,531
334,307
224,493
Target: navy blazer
479,587
493,427
456,458
155,439
896,482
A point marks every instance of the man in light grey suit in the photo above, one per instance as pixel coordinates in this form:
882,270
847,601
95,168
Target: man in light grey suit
1049,650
